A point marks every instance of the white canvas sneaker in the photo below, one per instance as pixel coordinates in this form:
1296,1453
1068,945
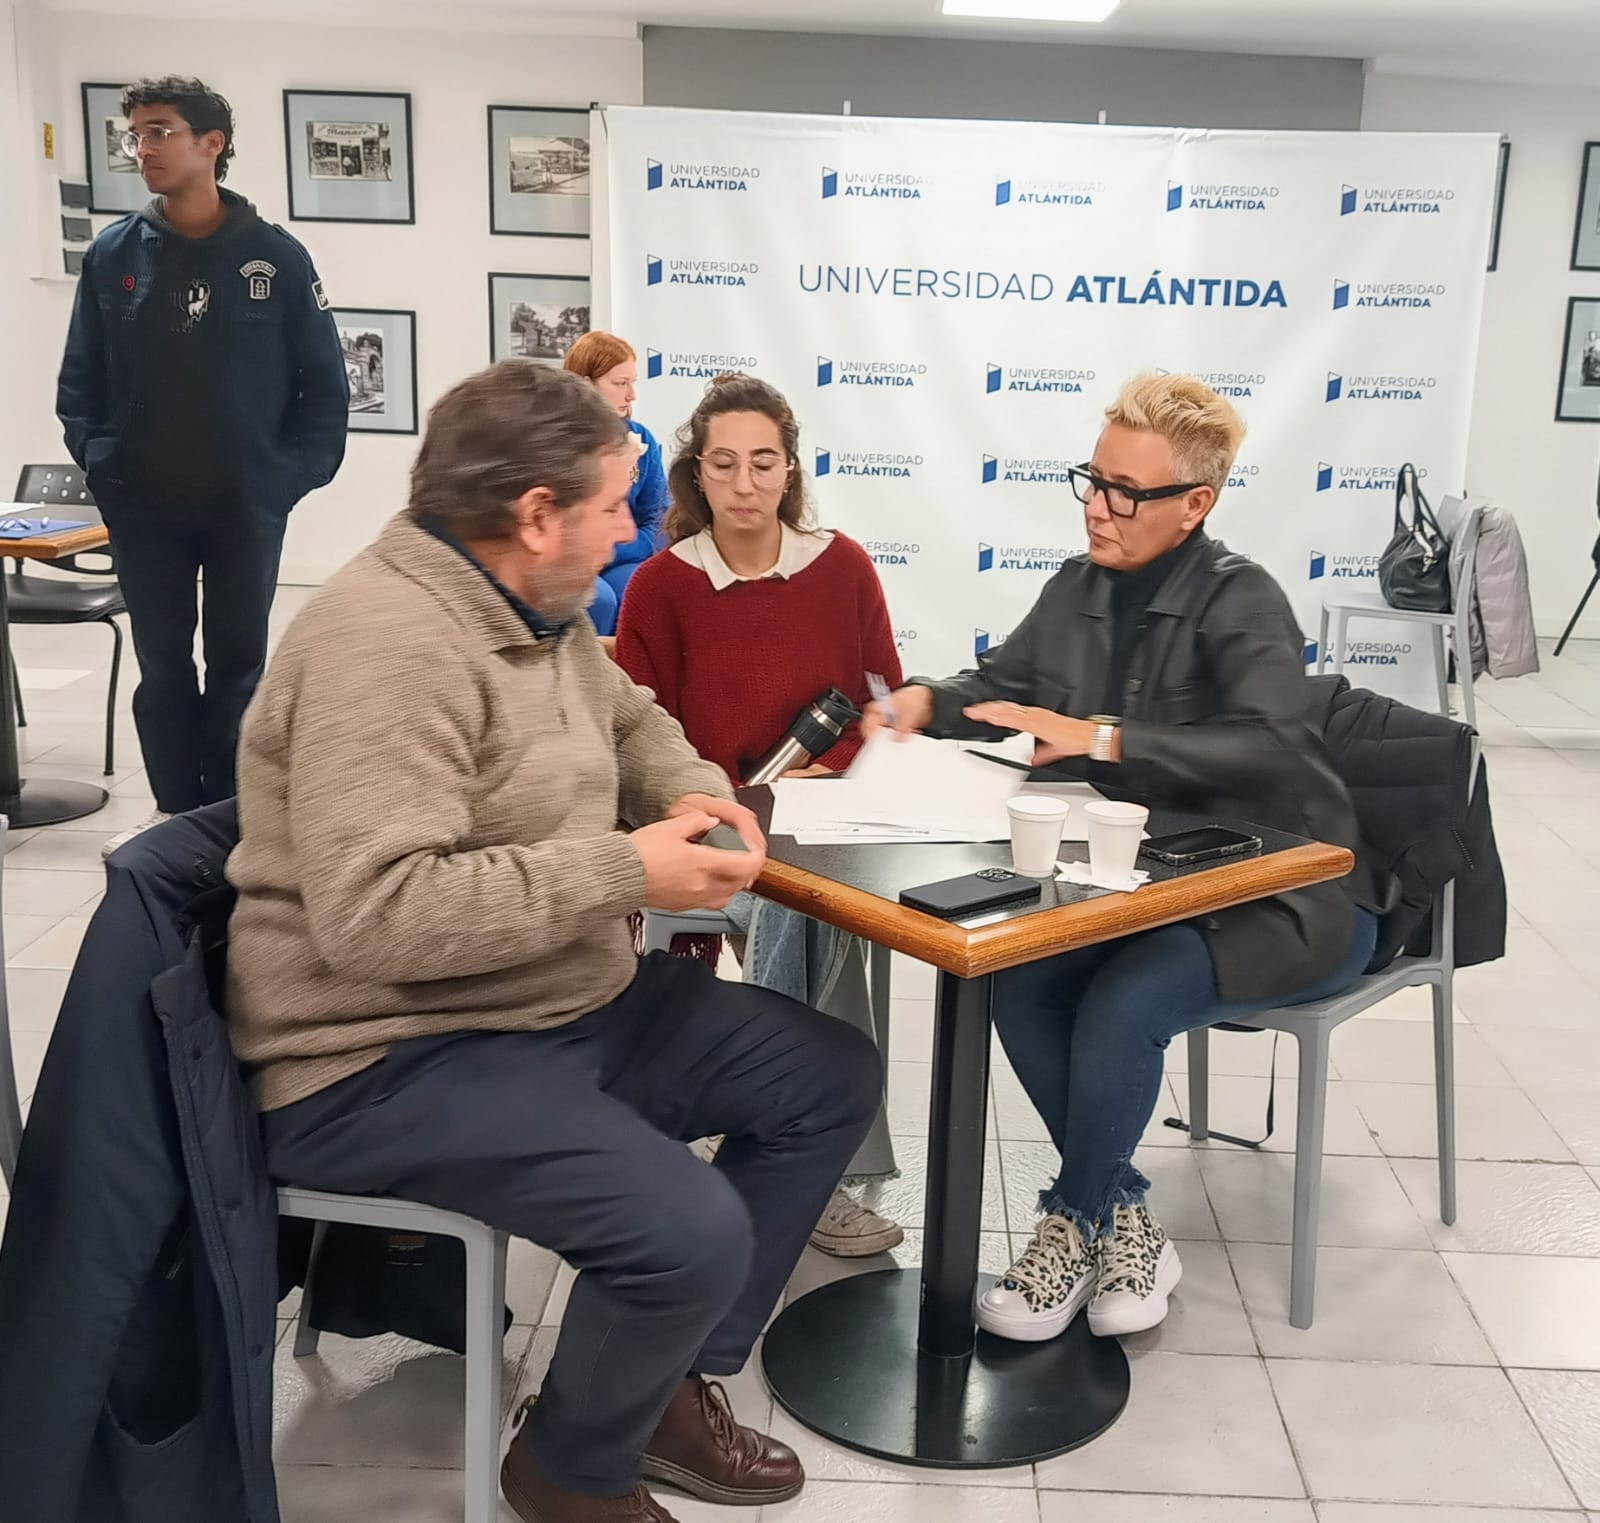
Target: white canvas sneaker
1037,1298
850,1230
1139,1269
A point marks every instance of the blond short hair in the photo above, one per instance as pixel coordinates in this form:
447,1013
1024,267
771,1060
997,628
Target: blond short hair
1204,430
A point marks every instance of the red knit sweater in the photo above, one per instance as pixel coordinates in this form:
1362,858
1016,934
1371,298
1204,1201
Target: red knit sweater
734,667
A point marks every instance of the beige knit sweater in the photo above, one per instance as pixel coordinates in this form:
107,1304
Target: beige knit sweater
428,805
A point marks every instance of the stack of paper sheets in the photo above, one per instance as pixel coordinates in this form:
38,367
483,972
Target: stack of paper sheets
917,790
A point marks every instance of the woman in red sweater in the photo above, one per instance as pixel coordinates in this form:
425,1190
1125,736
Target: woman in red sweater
750,614
753,611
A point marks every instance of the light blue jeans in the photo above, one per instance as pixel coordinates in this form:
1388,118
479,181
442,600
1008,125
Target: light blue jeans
1087,1033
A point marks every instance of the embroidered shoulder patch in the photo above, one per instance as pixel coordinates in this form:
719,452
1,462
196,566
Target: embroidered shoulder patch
321,296
259,274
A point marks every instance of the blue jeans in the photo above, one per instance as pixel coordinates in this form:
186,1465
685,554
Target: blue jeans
1087,1033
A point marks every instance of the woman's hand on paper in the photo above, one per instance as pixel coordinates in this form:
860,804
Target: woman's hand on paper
1056,735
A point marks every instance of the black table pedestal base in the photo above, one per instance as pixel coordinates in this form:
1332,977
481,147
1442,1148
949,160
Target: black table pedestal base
843,1361
49,801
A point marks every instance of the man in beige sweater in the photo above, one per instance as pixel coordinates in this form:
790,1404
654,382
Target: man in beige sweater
432,979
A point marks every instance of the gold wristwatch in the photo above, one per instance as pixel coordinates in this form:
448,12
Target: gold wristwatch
1103,744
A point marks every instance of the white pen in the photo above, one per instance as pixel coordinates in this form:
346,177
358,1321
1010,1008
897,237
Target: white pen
880,694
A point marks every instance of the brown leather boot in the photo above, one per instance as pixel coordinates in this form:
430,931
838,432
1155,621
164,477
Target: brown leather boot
700,1449
535,1499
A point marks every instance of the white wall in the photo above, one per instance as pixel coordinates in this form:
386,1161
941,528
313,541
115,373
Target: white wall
439,267
1542,470
15,377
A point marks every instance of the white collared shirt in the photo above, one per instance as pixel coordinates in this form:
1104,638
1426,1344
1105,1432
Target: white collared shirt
797,549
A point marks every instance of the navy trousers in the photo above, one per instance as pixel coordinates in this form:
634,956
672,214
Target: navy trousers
189,736
574,1137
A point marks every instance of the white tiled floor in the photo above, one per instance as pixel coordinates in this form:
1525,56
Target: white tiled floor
1452,1376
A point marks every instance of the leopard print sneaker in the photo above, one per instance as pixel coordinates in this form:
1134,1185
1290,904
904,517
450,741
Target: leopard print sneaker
1139,1269
1044,1290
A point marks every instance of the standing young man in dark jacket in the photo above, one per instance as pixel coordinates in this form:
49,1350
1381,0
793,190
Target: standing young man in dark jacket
203,392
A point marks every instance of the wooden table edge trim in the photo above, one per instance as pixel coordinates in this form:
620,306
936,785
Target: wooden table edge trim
990,948
51,547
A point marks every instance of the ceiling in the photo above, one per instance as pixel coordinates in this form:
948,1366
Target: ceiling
1513,39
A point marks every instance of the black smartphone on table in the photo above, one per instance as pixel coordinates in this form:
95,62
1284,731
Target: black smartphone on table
1210,843
972,894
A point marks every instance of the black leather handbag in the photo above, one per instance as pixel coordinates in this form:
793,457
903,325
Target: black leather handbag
1414,572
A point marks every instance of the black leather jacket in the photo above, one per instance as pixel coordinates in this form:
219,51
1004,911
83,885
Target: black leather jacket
1214,722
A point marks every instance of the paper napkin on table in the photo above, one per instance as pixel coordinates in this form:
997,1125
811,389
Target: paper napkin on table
1078,872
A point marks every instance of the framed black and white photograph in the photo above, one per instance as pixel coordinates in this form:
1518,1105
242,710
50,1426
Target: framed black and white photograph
536,317
380,362
115,184
539,171
1579,398
1499,202
349,156
1586,236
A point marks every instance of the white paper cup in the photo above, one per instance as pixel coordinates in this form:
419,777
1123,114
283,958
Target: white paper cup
1115,831
1036,826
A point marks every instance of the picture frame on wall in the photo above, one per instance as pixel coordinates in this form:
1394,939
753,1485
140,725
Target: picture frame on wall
536,317
349,156
1504,164
539,182
1586,235
380,363
115,184
1578,400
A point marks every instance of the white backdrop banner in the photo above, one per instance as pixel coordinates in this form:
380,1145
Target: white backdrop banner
950,306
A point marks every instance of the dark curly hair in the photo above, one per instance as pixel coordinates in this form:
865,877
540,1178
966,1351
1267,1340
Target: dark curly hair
199,105
690,512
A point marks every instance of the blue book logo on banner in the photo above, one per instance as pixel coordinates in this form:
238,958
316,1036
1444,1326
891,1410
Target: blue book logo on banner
1341,295
1174,196
824,462
980,641
652,364
993,378
830,183
1308,653
652,269
1002,193
991,468
1319,565
1347,201
1335,386
652,174
985,557
824,371
1324,476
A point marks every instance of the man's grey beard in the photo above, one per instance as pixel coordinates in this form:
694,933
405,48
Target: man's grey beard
562,592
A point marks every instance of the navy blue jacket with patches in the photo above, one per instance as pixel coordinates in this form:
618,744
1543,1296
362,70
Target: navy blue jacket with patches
286,397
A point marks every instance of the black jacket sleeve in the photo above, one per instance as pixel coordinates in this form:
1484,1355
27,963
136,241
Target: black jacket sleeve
81,387
1250,643
1004,674
319,416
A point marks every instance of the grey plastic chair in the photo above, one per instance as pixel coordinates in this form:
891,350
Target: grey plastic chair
1312,1026
10,1105
1453,626
486,1296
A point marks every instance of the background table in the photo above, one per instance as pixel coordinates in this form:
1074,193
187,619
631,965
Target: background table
38,800
891,1363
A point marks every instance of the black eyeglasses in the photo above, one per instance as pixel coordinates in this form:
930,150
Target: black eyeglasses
1121,501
